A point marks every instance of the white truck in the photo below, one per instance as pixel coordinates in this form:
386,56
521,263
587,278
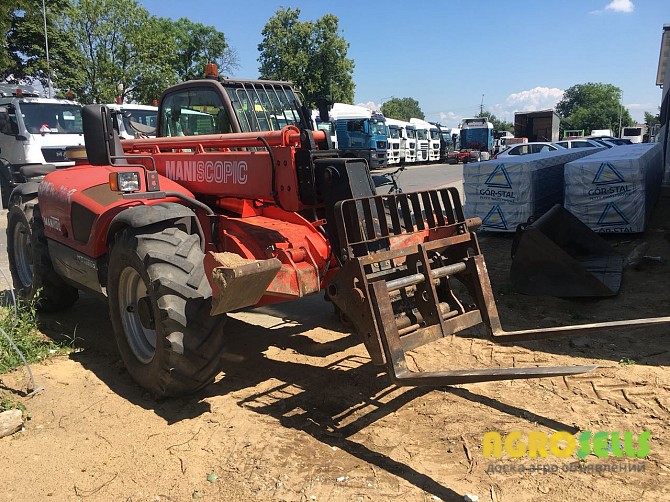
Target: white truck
135,120
602,132
329,127
33,131
407,151
394,133
422,139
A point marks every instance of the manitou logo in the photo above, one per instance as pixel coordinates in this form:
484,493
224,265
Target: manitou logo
207,171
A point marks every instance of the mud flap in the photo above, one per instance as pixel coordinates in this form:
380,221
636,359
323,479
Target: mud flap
558,255
241,282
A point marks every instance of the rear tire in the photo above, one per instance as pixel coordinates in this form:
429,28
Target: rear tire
29,261
159,302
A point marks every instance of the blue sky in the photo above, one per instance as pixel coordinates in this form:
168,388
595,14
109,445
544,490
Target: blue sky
519,54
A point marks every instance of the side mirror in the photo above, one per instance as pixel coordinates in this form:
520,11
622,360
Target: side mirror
5,125
323,105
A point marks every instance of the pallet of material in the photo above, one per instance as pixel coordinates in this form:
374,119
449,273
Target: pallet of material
506,192
614,191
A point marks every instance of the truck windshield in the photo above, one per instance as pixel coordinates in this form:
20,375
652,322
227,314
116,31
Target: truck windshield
377,127
434,134
394,132
264,106
411,133
145,117
421,134
53,118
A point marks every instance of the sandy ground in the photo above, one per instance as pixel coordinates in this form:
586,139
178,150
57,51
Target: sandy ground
300,414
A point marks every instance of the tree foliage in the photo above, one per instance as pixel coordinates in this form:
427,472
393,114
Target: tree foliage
650,119
498,125
27,46
593,106
402,109
101,49
312,55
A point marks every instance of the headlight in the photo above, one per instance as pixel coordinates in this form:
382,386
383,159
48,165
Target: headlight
124,181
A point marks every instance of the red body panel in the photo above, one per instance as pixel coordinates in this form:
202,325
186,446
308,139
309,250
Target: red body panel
86,186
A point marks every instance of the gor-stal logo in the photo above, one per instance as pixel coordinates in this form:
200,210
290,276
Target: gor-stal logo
495,219
612,216
607,175
499,178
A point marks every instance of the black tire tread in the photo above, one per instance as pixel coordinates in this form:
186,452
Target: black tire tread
54,293
181,294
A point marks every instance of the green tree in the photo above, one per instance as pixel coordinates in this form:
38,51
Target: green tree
123,47
197,45
27,46
593,106
650,119
7,66
402,109
498,125
312,55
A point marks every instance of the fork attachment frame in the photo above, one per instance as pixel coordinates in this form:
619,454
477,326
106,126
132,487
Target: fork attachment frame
412,272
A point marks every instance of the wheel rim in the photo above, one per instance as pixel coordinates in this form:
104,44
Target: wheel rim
132,290
23,258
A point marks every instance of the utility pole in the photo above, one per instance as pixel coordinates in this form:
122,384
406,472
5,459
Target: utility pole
620,112
46,43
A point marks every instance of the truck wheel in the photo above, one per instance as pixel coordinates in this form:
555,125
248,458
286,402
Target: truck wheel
30,263
159,302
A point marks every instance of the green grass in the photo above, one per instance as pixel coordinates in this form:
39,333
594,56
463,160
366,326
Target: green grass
22,329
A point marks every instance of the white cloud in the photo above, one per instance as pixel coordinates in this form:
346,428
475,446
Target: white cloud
450,119
538,98
620,6
623,6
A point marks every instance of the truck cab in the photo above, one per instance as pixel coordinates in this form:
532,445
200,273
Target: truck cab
394,140
34,130
407,140
329,127
128,115
361,134
422,139
477,138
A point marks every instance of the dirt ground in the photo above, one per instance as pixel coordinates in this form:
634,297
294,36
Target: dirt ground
300,414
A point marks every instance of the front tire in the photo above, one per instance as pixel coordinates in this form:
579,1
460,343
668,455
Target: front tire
159,302
30,263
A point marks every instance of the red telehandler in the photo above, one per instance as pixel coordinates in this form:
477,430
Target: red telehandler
239,203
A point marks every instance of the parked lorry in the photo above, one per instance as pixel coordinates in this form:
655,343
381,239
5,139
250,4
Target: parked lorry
446,141
432,134
409,135
177,231
394,134
635,134
328,126
476,139
602,132
360,134
135,120
34,131
422,139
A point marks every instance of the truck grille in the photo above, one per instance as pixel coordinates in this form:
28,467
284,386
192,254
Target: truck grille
54,154
381,144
